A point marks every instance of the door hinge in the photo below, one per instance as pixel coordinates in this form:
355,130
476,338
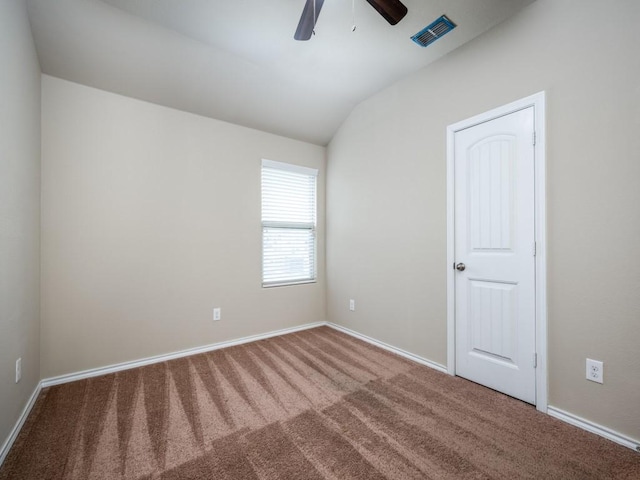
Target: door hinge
534,138
535,360
535,248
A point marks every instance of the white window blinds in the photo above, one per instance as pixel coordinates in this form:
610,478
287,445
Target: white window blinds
288,224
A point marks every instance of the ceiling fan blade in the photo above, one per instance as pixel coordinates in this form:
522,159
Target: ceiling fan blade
392,10
307,22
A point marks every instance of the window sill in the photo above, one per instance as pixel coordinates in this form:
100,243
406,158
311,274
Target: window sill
287,284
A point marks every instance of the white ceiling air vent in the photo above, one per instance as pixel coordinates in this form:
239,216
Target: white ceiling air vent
433,31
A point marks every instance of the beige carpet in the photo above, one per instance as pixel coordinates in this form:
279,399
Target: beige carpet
311,405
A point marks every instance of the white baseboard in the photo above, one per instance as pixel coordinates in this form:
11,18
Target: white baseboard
594,428
390,348
18,426
95,372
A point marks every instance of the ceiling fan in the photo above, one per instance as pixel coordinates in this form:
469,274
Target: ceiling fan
391,10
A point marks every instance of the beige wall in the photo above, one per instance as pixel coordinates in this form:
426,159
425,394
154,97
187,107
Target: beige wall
19,212
150,218
386,196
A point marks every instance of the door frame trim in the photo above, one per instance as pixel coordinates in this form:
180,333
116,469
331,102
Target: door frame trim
537,101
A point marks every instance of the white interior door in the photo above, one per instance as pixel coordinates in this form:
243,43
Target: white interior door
495,330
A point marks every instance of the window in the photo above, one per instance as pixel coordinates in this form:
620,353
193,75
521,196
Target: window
288,224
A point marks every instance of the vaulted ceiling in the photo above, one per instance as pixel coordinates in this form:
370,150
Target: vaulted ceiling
237,61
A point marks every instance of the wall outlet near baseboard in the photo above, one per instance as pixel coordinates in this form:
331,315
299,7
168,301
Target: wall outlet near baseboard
18,369
352,305
595,371
217,314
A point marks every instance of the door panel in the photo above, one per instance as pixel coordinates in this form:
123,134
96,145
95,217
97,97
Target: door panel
494,238
490,184
492,320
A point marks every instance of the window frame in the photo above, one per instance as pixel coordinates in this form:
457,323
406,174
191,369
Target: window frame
290,225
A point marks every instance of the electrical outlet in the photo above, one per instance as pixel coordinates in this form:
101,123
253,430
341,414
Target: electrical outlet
18,369
595,371
216,314
352,305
